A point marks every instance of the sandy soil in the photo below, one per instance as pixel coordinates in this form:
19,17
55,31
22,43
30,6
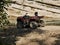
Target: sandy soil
49,35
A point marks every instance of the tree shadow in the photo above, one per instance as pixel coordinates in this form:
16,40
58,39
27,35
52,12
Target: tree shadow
8,36
57,42
23,32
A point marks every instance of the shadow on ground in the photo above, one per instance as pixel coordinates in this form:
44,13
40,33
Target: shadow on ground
57,42
23,32
8,36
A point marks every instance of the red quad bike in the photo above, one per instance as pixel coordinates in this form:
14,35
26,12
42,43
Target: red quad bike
30,21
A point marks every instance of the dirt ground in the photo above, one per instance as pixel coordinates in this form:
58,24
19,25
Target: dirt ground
48,35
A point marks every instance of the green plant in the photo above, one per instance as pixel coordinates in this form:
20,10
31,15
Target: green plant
3,14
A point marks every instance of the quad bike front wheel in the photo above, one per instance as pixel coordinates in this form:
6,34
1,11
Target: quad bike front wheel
42,23
33,25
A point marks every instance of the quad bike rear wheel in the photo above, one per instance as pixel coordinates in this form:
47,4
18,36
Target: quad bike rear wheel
19,25
33,25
